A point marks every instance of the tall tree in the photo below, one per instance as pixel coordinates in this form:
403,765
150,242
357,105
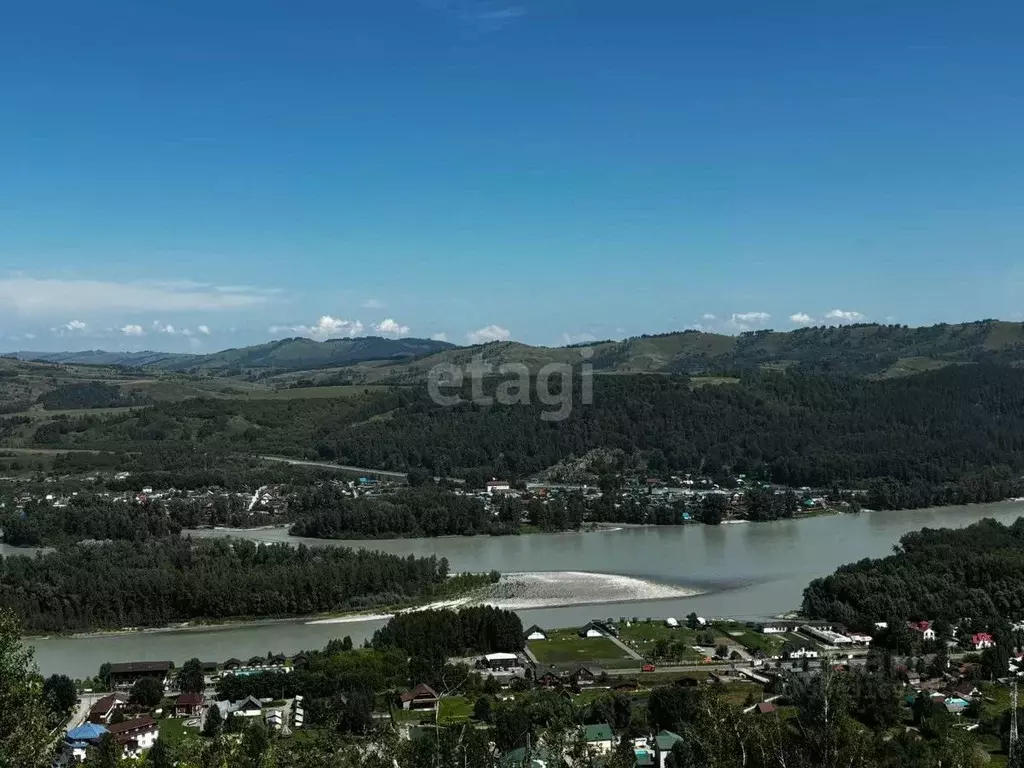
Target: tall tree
60,695
190,677
23,734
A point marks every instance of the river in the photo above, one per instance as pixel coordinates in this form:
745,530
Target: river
746,570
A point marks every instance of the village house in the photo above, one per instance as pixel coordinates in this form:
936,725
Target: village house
502,661
982,640
188,705
135,735
249,707
420,697
79,740
593,629
584,675
924,628
126,674
103,710
535,633
599,738
498,486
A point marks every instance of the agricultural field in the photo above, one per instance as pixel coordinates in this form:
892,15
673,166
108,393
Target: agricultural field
565,646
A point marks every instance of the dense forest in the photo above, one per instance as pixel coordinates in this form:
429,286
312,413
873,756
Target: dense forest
326,512
480,629
913,441
90,394
85,517
160,581
974,573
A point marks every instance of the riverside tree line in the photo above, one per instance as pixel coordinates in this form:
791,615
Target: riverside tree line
161,581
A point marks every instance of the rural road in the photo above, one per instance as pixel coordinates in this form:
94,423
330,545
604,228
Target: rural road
339,467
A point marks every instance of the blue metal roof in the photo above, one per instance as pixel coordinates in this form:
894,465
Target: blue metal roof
86,732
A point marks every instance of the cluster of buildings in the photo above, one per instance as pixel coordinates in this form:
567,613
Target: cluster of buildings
133,736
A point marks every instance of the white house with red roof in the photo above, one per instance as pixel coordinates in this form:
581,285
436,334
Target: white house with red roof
982,640
924,628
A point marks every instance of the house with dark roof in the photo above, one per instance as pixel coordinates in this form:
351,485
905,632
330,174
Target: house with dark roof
257,661
535,633
135,735
232,664
188,705
420,697
104,709
125,674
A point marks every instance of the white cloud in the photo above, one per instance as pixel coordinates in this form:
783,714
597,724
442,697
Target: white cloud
204,329
707,316
30,336
801,318
488,333
442,336
132,330
372,304
44,296
844,315
75,325
744,321
578,338
391,327
326,327
159,327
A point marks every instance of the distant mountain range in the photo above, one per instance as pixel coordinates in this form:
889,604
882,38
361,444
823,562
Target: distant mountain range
860,350
296,354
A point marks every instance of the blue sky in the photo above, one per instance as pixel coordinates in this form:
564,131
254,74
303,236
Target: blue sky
544,170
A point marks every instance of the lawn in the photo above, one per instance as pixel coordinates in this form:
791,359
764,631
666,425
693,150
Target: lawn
642,637
173,730
751,639
565,645
399,715
455,709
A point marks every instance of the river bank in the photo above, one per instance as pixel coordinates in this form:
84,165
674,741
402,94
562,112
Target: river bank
514,592
747,572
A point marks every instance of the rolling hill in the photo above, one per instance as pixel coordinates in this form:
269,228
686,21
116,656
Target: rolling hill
877,351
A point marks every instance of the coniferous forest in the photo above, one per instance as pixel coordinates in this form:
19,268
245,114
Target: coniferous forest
160,581
975,573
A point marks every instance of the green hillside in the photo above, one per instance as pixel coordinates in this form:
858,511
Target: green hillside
876,351
855,350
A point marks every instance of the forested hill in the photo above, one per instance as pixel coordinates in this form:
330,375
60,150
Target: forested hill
857,350
975,573
948,436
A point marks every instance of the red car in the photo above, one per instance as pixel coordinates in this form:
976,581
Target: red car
647,667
